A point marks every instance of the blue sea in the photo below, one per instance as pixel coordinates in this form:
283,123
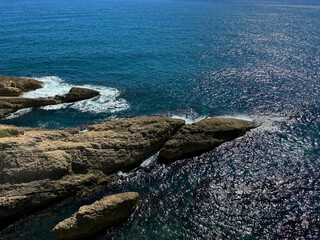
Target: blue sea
248,59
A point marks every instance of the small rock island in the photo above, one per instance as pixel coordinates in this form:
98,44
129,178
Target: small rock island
93,218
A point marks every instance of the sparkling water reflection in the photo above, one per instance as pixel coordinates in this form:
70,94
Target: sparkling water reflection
189,59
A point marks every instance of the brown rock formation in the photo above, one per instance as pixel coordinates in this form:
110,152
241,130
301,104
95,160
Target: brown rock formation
17,200
14,86
38,166
203,136
93,218
77,94
108,147
12,104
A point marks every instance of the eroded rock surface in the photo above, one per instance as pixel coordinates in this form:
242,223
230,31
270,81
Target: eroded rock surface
12,104
91,219
17,200
77,94
203,136
15,86
108,147
40,166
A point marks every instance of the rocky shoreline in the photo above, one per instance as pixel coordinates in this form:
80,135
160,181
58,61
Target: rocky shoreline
39,167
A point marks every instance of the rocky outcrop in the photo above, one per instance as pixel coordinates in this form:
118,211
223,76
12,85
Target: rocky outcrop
91,219
108,147
17,200
203,136
12,104
77,94
14,86
40,166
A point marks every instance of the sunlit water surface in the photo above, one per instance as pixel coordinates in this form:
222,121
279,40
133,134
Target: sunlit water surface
190,59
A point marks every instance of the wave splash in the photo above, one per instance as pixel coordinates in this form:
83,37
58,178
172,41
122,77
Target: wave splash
107,101
18,113
267,123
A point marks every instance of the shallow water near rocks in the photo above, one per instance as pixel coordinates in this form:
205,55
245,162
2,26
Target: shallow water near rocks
186,59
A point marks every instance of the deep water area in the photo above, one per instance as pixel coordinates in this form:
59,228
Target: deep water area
257,60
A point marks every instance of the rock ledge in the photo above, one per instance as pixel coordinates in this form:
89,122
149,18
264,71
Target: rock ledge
202,136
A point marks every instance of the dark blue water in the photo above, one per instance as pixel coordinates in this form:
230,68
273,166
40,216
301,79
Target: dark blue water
190,59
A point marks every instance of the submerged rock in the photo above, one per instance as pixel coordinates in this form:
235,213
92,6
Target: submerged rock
91,219
203,136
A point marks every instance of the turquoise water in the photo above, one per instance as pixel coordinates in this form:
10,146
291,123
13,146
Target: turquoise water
188,59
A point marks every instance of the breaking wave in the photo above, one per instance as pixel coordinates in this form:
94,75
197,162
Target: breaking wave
108,101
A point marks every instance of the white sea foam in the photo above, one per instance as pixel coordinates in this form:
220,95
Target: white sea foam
18,113
188,118
262,119
139,170
107,101
268,123
192,118
57,107
124,174
149,161
239,117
